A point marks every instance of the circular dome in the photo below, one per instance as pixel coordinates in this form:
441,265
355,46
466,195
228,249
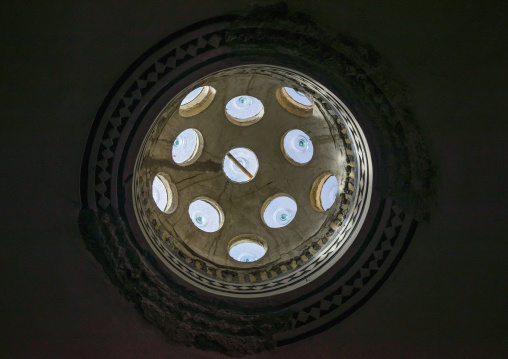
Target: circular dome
235,155
244,110
182,269
240,165
297,147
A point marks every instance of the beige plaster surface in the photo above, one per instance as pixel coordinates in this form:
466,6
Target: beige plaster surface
242,202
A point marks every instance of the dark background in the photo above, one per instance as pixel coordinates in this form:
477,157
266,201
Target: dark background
447,298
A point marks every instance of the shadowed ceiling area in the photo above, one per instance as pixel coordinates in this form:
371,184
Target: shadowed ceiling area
445,299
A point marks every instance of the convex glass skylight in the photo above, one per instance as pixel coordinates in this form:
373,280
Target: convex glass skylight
324,192
247,251
197,101
192,95
206,214
240,165
187,147
159,193
298,96
329,192
164,193
278,211
244,110
297,147
294,101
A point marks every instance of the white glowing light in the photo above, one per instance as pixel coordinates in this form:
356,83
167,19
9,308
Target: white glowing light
298,96
205,216
185,146
329,192
298,146
247,252
159,193
192,95
280,212
247,159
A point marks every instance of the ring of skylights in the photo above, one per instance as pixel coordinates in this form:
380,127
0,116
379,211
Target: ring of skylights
240,165
248,184
197,101
297,147
229,206
206,214
164,193
187,147
279,210
294,101
247,248
324,192
244,110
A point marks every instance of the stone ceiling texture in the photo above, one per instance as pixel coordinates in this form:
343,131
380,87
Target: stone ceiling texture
446,298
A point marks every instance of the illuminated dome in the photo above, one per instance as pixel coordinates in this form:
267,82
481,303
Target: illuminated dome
239,185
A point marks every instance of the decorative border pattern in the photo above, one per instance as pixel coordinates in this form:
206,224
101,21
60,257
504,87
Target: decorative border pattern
133,96
391,231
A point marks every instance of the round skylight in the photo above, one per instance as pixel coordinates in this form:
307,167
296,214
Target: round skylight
187,147
294,101
247,251
324,192
192,95
164,193
298,96
244,110
159,193
278,211
240,165
297,147
197,101
206,214
329,192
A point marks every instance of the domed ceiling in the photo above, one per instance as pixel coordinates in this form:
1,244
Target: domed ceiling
236,134
84,265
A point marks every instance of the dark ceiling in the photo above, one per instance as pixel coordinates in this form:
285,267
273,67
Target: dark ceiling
446,298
